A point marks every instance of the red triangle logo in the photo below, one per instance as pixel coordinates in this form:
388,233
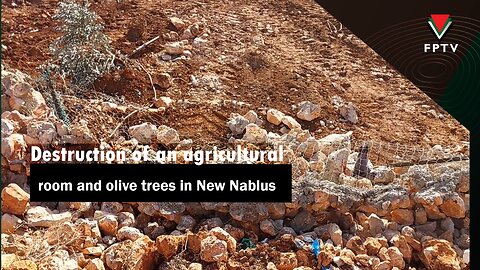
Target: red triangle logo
439,20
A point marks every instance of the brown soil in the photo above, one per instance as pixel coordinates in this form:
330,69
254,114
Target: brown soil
267,54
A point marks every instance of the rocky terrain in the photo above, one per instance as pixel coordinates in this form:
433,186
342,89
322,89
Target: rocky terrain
256,74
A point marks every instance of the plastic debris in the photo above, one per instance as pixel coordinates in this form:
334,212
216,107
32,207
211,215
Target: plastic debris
246,243
325,268
316,248
299,243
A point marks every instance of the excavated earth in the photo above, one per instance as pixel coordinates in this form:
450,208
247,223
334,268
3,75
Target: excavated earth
254,73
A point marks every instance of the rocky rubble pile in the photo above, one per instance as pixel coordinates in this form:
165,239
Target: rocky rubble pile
403,218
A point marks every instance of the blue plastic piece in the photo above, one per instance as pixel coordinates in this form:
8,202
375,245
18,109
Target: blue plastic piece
316,247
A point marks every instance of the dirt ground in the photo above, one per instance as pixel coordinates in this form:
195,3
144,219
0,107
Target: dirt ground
266,54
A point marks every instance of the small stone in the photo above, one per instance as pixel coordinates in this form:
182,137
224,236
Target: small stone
14,147
376,224
223,235
255,134
186,223
383,175
372,245
108,225
129,233
169,245
8,259
466,256
179,24
23,265
420,216
164,80
402,216
335,234
167,135
287,261
268,226
175,48
14,200
237,124
356,245
10,223
136,255
385,265
42,217
195,266
213,249
308,111
335,164
94,264
43,131
252,117
439,254
275,116
291,123
8,128
143,133
454,207
93,251
349,112
303,222
396,257
401,243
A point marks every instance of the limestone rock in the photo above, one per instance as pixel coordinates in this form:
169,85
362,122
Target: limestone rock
303,222
223,235
167,135
376,224
186,223
255,134
335,164
174,48
402,216
42,217
179,24
237,124
439,254
14,200
349,112
170,245
95,264
372,245
8,259
108,225
213,249
42,131
308,111
13,147
275,116
129,233
290,122
268,226
334,142
396,257
10,223
335,234
286,261
134,255
143,133
23,265
248,212
454,207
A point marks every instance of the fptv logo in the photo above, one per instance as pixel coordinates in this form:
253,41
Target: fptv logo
440,23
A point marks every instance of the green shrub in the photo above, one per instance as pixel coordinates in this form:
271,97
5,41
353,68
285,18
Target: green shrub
83,52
